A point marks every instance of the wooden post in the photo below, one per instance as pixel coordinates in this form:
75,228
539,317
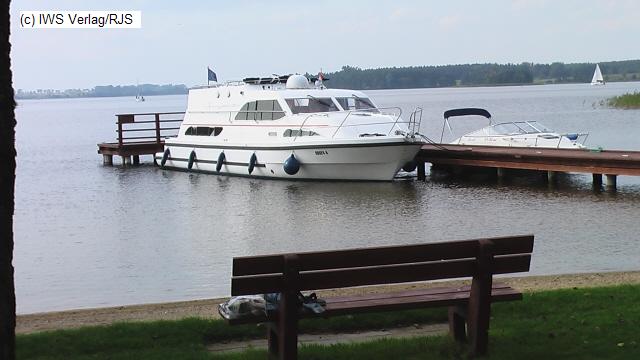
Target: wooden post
551,176
500,172
480,300
136,159
611,182
120,142
597,181
126,160
107,159
422,173
157,128
283,344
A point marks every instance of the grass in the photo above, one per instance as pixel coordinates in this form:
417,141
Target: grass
599,323
626,101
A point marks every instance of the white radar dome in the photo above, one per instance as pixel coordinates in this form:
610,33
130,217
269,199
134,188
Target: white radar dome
297,82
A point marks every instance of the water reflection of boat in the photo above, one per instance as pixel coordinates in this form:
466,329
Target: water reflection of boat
285,127
512,134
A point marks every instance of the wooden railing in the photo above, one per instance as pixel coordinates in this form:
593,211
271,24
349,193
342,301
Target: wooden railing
149,127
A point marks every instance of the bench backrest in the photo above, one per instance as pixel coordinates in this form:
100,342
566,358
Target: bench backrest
378,265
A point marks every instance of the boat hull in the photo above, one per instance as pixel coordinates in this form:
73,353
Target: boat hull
365,162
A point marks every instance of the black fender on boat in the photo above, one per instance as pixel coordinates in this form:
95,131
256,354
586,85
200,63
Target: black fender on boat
252,163
192,159
291,165
221,160
410,166
165,156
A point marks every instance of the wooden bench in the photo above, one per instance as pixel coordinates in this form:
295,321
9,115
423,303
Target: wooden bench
469,305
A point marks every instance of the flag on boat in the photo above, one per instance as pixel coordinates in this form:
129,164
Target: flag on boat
211,75
320,76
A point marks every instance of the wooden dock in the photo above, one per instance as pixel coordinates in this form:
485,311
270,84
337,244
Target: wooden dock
139,134
610,163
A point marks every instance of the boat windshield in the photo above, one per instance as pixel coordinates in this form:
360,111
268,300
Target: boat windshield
311,105
539,127
526,128
521,127
355,103
506,129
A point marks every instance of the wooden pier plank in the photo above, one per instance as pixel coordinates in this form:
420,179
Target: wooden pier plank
614,162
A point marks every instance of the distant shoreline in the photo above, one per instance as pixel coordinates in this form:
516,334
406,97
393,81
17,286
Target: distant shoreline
92,97
103,91
433,87
207,308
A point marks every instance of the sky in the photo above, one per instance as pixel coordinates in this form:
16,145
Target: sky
237,39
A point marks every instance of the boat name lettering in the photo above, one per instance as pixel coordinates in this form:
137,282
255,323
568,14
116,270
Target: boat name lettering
322,152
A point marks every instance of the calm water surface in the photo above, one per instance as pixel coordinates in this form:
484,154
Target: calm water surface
88,235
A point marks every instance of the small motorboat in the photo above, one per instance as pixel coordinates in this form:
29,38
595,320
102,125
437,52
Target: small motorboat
513,133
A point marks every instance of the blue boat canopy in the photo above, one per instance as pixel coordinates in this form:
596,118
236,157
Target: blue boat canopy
466,111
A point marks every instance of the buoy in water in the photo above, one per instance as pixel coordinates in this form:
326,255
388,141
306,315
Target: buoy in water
192,159
410,166
252,162
221,159
291,165
165,157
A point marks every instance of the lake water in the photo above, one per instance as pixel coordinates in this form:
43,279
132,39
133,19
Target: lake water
88,235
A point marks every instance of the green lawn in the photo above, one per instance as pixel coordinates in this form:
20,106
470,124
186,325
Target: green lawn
599,323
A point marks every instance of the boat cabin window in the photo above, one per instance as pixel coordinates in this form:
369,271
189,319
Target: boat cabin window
355,103
260,110
311,105
294,133
203,131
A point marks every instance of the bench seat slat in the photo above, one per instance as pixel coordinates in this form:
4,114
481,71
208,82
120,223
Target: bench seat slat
409,293
390,274
404,300
411,302
385,255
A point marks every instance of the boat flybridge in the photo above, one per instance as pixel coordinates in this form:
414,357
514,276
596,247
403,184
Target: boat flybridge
285,127
512,134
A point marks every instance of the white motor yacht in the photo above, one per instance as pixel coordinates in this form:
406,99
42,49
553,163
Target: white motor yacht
512,134
285,127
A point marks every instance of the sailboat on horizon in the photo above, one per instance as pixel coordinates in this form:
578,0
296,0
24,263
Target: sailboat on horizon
597,76
139,97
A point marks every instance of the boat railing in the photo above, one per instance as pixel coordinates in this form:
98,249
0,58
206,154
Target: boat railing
394,112
368,112
147,127
415,120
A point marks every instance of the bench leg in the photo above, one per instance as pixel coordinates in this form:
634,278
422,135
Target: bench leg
479,311
272,341
282,336
457,321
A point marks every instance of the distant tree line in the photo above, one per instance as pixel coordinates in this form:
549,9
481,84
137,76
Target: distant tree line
105,91
350,77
